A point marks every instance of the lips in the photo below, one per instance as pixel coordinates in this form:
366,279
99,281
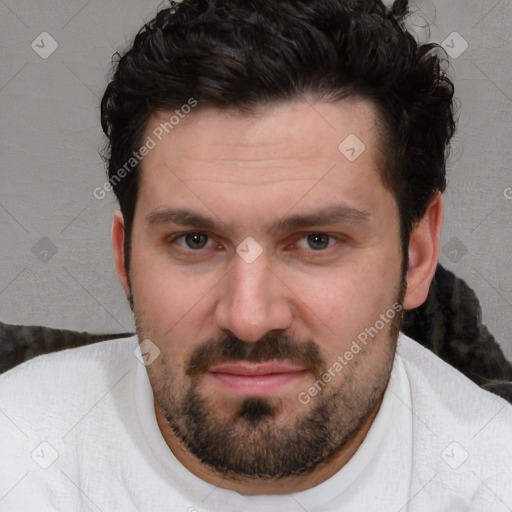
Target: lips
254,369
263,379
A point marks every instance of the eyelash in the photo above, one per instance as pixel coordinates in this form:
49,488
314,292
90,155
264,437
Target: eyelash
183,235
337,239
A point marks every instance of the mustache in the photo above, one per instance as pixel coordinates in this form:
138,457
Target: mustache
270,347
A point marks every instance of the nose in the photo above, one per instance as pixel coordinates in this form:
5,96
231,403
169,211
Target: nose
253,301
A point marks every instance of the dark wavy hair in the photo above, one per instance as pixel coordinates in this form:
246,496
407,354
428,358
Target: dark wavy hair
244,54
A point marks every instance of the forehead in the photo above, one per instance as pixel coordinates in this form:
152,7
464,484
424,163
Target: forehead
282,153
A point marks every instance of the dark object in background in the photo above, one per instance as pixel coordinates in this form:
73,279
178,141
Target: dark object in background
449,324
19,343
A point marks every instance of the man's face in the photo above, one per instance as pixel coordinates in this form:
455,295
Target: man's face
246,326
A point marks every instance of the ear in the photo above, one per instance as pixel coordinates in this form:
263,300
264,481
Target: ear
118,235
424,248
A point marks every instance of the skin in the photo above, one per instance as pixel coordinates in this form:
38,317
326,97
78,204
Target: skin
246,172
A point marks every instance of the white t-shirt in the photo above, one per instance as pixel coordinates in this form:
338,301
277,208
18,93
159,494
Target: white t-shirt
78,432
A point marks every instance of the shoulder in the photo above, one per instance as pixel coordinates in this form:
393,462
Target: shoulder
68,370
461,433
50,393
447,407
435,385
69,407
431,377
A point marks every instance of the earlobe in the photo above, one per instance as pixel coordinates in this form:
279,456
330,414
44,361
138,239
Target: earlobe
424,246
118,234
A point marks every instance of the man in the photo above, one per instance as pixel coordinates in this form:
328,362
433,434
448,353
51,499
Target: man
279,168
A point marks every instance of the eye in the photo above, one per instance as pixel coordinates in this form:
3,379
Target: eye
194,240
316,241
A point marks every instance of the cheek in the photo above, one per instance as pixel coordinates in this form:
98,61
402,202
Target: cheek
342,302
168,300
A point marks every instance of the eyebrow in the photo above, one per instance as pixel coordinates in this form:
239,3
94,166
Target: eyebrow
326,216
184,217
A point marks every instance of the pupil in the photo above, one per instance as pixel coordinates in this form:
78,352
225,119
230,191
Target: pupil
318,241
195,240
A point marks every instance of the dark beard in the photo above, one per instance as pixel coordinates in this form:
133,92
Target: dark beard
251,445
253,442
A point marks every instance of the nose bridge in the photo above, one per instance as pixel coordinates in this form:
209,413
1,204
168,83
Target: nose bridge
250,286
253,302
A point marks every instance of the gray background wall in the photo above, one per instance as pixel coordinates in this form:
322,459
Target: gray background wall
55,252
